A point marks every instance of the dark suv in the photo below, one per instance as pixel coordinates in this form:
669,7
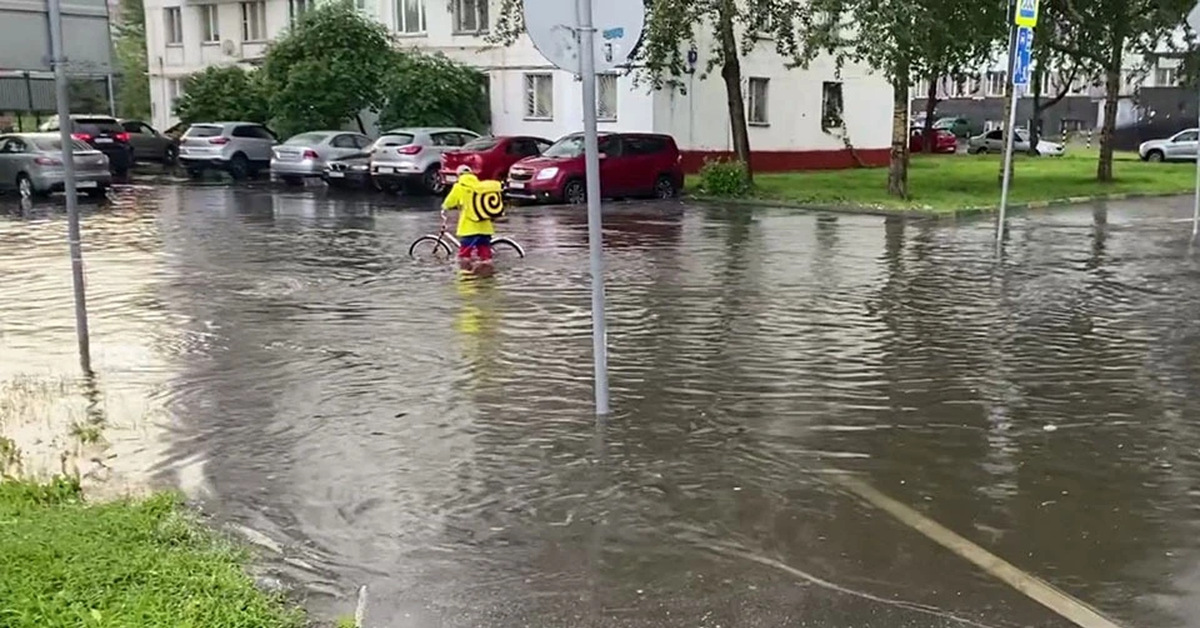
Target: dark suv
631,165
103,133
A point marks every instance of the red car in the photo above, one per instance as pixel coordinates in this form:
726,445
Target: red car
491,157
631,164
943,141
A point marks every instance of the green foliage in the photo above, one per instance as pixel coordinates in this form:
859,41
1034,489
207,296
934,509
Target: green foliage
228,93
129,42
432,90
724,178
327,69
127,563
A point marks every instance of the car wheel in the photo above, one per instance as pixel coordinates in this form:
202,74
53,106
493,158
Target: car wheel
575,192
25,186
239,167
979,151
664,188
170,156
1155,156
432,180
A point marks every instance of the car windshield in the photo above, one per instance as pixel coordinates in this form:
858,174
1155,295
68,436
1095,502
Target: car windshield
567,147
481,144
198,130
307,139
397,139
53,144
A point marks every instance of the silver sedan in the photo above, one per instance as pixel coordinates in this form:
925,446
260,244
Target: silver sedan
32,164
306,155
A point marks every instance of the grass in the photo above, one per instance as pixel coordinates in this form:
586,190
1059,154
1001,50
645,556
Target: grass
68,563
946,183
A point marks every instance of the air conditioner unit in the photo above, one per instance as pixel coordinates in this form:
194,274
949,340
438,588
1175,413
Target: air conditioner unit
230,48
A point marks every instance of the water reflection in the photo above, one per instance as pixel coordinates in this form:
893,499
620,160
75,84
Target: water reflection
390,424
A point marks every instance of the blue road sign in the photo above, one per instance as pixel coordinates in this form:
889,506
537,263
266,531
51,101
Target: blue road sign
1022,64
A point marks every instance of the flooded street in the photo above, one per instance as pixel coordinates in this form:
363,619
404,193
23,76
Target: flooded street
279,357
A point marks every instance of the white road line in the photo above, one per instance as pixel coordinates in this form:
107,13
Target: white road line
1041,591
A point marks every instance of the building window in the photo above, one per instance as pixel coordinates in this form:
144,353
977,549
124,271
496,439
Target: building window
606,97
470,16
996,83
174,91
410,16
1166,77
757,113
254,21
210,26
173,19
831,105
296,8
361,5
539,96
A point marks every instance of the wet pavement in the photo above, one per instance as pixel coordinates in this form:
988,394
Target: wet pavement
379,422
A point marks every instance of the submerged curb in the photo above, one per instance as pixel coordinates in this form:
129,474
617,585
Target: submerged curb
926,214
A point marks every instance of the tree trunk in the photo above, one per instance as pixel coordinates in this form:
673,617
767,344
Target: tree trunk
1035,122
898,159
361,127
1112,96
731,71
931,102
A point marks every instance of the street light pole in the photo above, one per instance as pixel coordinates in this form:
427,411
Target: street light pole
58,59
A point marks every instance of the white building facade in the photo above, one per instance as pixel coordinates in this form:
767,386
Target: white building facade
789,110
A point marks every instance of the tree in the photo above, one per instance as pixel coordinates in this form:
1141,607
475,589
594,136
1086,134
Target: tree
432,90
329,67
1099,33
133,99
734,27
223,93
1048,62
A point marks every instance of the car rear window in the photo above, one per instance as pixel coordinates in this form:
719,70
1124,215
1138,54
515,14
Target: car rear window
97,126
399,139
307,139
198,130
55,144
481,144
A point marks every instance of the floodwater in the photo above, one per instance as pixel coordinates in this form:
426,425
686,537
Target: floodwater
378,422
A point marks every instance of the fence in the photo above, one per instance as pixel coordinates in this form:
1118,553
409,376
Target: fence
27,97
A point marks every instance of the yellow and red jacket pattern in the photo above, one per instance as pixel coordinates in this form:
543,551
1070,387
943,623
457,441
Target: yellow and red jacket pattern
478,203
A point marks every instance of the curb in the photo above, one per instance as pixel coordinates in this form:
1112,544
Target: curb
966,212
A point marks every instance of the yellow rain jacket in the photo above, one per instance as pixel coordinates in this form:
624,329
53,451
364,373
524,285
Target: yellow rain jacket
477,202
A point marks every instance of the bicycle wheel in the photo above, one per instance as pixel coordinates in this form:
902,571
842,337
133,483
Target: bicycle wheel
510,246
430,246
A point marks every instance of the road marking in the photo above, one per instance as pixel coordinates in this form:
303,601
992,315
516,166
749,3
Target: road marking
1041,591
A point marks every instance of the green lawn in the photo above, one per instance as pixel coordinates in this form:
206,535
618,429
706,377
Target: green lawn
122,564
946,183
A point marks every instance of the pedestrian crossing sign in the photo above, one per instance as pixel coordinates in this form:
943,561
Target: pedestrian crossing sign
1027,13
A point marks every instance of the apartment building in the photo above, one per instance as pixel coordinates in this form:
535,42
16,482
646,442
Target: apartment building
791,112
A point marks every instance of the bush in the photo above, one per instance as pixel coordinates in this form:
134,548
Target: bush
726,178
223,93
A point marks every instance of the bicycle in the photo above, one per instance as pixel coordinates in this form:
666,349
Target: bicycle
444,243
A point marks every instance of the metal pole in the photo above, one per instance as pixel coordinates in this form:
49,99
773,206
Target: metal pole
587,50
1009,134
64,126
112,97
1196,208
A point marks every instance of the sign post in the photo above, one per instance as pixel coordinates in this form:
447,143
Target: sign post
1019,65
1193,20
565,33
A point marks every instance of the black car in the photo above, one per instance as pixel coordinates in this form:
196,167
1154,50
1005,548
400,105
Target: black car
103,133
352,172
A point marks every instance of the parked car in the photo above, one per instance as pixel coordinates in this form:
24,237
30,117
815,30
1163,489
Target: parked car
150,145
993,142
631,164
413,157
102,133
32,164
242,149
1179,147
959,126
943,141
306,155
491,157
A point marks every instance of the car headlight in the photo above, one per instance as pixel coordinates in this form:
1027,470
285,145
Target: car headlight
547,173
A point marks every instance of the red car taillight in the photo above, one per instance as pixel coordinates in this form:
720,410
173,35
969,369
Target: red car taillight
83,137
47,161
311,154
411,149
219,141
122,137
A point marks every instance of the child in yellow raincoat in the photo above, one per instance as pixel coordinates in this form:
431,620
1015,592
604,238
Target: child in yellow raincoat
478,204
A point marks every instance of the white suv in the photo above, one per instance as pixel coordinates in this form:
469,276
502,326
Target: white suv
412,157
240,148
